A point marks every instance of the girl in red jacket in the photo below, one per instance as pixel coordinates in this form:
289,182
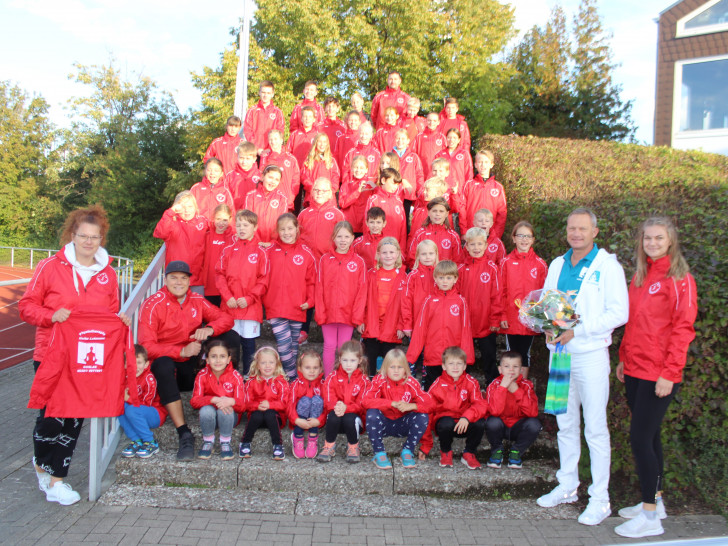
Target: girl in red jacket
268,202
319,164
494,249
220,236
211,190
241,277
219,394
384,137
340,292
461,164
306,405
318,220
343,393
436,228
291,282
663,304
385,284
348,140
356,188
266,401
290,172
396,406
521,271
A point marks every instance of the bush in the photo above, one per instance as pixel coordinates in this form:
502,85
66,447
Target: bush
624,183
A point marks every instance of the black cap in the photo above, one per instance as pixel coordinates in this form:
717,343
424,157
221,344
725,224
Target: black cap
178,266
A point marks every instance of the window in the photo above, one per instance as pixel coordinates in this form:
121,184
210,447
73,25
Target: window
708,18
703,94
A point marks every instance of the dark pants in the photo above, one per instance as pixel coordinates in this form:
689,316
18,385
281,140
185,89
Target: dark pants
374,349
430,375
486,346
445,428
268,419
522,345
247,345
214,300
648,411
521,435
411,425
307,324
347,424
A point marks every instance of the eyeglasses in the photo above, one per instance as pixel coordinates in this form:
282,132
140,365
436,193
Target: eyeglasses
92,238
319,190
523,237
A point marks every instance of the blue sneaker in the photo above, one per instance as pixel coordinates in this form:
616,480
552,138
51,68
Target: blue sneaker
496,458
147,449
381,460
408,459
245,450
205,451
226,452
514,459
278,453
131,449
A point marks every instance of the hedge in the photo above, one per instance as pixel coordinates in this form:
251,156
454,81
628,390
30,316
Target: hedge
546,178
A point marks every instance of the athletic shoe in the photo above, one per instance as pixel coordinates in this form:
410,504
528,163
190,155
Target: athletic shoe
311,447
302,337
205,451
186,451
327,452
408,459
299,449
514,459
353,454
559,495
381,460
147,449
640,526
496,458
226,452
595,513
446,459
62,493
44,479
469,460
278,453
130,450
634,511
244,450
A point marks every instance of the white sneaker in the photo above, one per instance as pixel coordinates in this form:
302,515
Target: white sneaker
44,479
559,495
640,526
634,511
62,493
595,513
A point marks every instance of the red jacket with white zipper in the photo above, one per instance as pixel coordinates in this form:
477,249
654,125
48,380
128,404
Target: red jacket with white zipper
317,225
295,121
291,177
393,207
410,167
384,137
345,143
300,142
223,148
478,194
207,386
339,387
367,150
268,205
334,129
495,251
319,170
208,197
479,283
520,273
420,284
366,247
240,182
413,125
397,99
242,272
382,391
447,241
259,121
511,406
148,395
461,167
384,328
341,289
274,390
458,123
185,240
216,242
353,201
291,280
427,145
302,387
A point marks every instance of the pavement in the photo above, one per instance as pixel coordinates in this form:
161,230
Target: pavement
130,513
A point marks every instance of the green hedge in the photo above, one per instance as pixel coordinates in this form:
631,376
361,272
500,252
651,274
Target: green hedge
624,183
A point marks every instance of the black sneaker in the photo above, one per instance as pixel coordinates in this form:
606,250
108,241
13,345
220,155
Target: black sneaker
278,453
186,451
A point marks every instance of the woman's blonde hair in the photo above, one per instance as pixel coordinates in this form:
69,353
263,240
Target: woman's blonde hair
421,246
678,266
313,153
255,372
390,241
395,356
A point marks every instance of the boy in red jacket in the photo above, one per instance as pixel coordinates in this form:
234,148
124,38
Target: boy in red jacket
268,202
318,220
389,197
429,143
310,90
483,192
332,126
513,407
263,117
301,140
450,119
366,245
459,410
290,173
443,321
494,249
244,177
224,147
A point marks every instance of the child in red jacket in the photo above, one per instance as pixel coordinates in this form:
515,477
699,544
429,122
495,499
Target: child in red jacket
444,321
348,139
479,284
494,250
343,393
520,272
290,294
385,284
224,147
219,394
319,218
366,245
459,410
356,188
263,117
484,192
436,228
389,197
384,137
220,236
211,190
450,119
461,165
306,405
241,277
244,176
513,408
319,163
429,143
396,406
267,401
290,172
268,202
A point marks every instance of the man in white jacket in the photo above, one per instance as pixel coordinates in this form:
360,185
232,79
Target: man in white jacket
602,304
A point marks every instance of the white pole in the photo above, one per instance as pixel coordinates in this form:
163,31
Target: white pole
241,82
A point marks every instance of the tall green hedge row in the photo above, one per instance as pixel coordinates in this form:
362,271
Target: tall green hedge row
624,183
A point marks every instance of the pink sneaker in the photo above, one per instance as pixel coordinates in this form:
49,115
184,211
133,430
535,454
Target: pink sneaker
299,451
312,447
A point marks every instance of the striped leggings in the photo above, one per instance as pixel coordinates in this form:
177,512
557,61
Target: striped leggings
287,332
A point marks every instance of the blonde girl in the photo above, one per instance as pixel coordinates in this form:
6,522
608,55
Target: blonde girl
356,187
319,163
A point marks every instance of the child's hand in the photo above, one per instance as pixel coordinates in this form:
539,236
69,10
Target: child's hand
360,328
302,423
506,381
494,328
191,349
620,372
408,333
340,409
461,426
313,422
177,209
304,306
264,405
400,334
242,303
126,395
232,303
201,334
504,325
406,185
265,245
513,386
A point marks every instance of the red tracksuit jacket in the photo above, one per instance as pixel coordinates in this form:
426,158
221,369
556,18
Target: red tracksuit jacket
447,241
420,284
384,138
230,384
520,273
479,283
185,241
384,99
300,142
52,287
334,129
366,247
291,177
341,289
495,251
478,194
661,324
89,363
148,395
419,214
345,143
383,391
268,205
461,167
367,150
275,390
242,272
300,388
240,182
413,125
427,145
353,201
213,249
443,321
393,207
209,197
259,121
223,148
317,224
319,170
165,325
383,328
295,121
458,123
410,167
511,407
349,390
291,280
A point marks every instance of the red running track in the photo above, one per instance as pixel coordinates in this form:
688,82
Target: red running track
16,337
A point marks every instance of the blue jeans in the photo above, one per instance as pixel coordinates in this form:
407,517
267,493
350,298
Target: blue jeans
212,418
411,425
138,422
308,407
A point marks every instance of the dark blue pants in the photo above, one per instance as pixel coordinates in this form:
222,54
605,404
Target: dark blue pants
521,435
411,425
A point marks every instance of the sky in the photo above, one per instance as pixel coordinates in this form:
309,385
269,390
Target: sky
167,40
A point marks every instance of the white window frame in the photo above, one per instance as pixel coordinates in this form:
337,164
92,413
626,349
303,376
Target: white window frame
677,99
682,32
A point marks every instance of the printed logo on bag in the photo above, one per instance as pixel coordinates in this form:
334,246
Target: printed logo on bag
287,162
275,204
455,310
495,192
227,386
654,288
329,215
103,278
200,225
492,248
406,397
298,259
446,243
459,157
220,197
355,390
534,273
253,258
370,159
351,266
90,351
485,277
463,395
193,312
438,142
272,115
397,209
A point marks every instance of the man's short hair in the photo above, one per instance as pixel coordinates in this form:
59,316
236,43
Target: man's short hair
267,83
584,210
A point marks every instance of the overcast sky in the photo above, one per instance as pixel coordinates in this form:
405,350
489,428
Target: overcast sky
166,40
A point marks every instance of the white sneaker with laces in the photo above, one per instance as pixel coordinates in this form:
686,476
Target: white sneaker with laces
559,495
62,493
44,479
640,526
595,513
634,511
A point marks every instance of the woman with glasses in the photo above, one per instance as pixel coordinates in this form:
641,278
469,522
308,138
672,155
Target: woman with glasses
79,274
521,271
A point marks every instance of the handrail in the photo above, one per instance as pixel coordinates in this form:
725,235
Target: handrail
105,431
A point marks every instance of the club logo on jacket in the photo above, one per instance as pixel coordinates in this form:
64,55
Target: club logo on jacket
654,288
351,266
534,273
102,278
253,258
339,133
485,277
459,157
227,386
287,162
463,395
446,243
272,115
200,225
438,142
275,204
220,197
256,179
298,259
193,312
400,100
317,391
355,390
139,390
329,215
495,192
90,351
492,248
397,209
406,397
409,159
370,159
455,310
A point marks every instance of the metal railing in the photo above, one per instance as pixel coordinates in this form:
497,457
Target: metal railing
105,431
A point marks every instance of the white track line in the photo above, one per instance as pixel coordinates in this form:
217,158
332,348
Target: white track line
11,327
8,305
16,355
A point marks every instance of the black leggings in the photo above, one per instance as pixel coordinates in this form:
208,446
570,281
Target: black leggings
375,348
268,419
522,345
648,411
487,347
430,375
445,428
335,425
